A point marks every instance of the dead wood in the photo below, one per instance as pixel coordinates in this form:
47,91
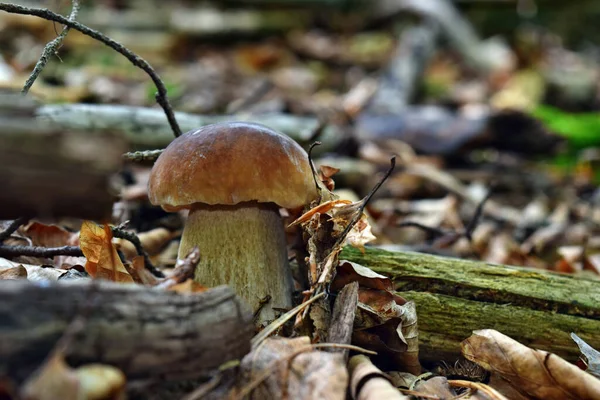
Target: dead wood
48,172
151,335
454,297
342,319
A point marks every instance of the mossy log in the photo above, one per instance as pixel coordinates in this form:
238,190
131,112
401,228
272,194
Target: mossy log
454,297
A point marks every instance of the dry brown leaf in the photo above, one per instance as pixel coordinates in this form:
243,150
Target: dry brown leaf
291,365
187,287
50,235
325,174
437,386
56,380
34,272
18,272
103,262
139,273
536,373
367,382
349,271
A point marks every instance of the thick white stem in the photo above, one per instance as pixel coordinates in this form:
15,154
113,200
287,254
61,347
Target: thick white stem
243,246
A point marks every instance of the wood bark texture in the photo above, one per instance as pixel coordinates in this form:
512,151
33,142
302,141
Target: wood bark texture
454,297
149,334
48,172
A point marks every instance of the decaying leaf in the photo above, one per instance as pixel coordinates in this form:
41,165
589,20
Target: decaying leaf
292,367
589,355
536,373
436,387
34,272
103,262
384,322
57,380
367,382
18,272
325,174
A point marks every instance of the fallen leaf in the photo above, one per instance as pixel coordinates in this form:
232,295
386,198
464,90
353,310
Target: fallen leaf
187,287
18,272
436,387
349,271
590,356
536,373
50,235
152,241
293,366
34,272
103,262
57,380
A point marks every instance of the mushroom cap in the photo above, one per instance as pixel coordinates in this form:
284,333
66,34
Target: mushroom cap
229,163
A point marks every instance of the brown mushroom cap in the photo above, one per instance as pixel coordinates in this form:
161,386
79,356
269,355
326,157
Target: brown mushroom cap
229,163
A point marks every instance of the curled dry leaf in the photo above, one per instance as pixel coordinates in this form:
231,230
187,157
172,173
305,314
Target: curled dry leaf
536,373
103,262
367,382
57,380
589,356
293,367
325,174
34,272
384,322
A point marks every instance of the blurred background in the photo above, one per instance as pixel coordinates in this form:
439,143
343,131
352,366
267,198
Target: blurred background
479,100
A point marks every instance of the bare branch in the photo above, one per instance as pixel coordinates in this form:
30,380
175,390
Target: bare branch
37,251
121,233
49,50
12,228
161,96
143,156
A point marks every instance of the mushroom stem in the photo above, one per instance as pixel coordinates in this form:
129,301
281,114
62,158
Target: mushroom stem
243,246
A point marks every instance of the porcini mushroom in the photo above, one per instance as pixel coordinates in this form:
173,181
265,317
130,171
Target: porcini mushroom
234,177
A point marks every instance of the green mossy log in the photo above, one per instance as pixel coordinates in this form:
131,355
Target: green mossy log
455,296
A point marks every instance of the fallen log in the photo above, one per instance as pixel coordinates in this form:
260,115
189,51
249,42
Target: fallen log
147,333
145,127
52,172
454,297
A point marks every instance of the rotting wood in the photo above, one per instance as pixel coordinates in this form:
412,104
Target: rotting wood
454,297
147,333
49,172
342,319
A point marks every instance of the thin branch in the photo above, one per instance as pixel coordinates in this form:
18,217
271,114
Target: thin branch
37,251
5,234
312,167
161,96
477,216
143,156
49,50
432,232
365,201
121,233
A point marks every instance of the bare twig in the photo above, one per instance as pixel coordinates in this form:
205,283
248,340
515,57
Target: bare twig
37,251
364,203
143,156
121,233
50,49
5,234
312,167
161,96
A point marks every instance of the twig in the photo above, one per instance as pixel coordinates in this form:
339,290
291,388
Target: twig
49,50
364,203
121,233
5,234
161,96
143,156
312,167
273,326
37,251
477,215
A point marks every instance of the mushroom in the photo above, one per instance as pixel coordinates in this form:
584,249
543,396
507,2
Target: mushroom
234,177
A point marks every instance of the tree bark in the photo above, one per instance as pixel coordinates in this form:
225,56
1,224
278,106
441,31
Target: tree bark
48,172
149,334
454,297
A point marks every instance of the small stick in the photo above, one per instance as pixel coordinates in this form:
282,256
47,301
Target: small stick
161,95
5,234
49,50
142,156
121,233
37,251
